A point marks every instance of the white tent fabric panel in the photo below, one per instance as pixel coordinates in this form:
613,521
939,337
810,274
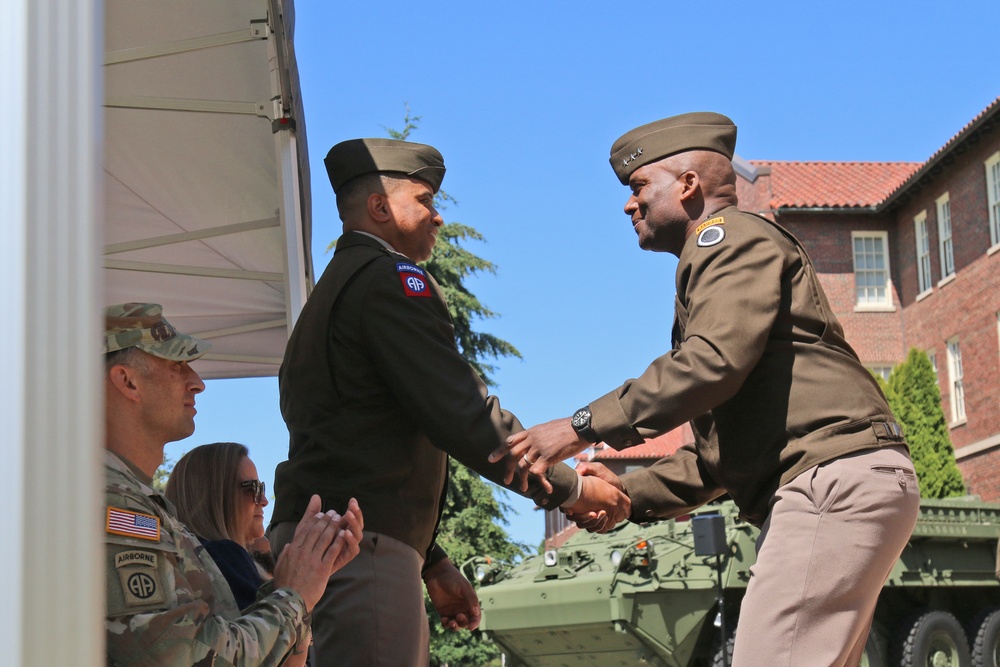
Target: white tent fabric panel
197,216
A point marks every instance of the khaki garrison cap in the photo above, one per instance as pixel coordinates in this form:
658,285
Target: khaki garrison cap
701,130
142,325
357,157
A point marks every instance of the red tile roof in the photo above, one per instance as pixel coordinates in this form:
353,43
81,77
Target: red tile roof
653,449
984,119
834,184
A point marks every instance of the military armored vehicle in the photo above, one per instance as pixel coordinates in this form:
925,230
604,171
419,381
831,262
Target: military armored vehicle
642,595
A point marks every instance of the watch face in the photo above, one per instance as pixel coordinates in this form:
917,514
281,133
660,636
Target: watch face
581,418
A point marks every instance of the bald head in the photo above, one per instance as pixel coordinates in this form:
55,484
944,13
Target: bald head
715,173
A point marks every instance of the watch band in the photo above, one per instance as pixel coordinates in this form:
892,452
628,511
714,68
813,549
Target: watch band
581,424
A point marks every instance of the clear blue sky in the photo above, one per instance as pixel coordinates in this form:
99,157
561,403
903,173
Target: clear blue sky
525,99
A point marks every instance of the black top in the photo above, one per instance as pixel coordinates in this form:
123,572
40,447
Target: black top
238,568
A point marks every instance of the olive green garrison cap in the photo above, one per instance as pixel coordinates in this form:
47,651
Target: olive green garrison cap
357,157
700,130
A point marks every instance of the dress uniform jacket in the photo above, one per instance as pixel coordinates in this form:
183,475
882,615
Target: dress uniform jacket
759,366
168,603
376,395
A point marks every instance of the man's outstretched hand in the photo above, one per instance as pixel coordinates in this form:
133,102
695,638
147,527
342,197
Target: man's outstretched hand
603,502
539,447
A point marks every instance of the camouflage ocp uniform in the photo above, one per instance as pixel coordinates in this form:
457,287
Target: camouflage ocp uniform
168,603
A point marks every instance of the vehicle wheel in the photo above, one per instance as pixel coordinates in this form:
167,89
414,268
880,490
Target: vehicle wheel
933,639
984,636
717,656
874,655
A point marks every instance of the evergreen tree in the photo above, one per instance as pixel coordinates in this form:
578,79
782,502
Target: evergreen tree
914,397
470,526
450,264
162,474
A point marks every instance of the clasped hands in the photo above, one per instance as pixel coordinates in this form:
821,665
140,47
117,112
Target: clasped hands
603,501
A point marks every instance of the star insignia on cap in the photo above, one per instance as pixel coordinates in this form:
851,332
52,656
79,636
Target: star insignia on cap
632,157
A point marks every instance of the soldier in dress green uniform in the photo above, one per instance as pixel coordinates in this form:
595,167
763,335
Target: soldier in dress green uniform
376,396
787,421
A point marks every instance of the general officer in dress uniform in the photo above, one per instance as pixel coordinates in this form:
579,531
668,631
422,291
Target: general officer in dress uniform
168,603
376,396
786,419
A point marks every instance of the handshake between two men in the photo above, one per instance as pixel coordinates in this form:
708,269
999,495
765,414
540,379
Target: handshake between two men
603,502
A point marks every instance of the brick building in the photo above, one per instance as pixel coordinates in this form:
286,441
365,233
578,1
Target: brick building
909,256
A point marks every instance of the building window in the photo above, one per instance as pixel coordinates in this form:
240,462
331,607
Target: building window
871,269
955,381
993,196
923,253
933,357
881,371
944,236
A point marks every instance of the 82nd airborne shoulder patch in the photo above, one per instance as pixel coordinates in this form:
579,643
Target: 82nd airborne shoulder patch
414,279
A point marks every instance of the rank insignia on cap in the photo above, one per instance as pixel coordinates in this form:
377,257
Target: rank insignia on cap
414,279
133,524
710,236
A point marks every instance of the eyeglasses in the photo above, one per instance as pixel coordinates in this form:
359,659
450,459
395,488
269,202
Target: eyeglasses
256,489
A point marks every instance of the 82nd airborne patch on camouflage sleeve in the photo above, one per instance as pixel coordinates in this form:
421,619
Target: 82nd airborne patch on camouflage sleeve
140,577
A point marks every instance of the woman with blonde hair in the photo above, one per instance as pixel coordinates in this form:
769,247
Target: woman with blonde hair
219,497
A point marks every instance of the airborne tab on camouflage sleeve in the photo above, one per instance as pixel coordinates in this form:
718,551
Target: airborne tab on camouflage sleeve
414,279
140,579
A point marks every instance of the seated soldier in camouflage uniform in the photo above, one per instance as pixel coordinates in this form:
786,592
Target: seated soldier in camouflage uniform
168,604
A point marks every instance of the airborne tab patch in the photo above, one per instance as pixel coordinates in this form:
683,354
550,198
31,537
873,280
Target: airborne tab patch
135,557
133,524
414,279
708,223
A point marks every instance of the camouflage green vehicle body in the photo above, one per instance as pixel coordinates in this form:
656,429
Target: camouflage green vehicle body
640,595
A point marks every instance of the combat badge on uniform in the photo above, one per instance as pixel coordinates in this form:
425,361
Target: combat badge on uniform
710,232
414,279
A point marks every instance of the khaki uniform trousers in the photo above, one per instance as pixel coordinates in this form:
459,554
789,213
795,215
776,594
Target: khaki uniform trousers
827,546
372,613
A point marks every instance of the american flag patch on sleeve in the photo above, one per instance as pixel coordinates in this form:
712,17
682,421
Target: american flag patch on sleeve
133,524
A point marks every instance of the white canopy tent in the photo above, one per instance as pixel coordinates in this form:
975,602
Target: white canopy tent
205,210
206,173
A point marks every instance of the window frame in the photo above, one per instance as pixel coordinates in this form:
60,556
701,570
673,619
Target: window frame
873,306
956,381
946,243
922,240
992,167
880,370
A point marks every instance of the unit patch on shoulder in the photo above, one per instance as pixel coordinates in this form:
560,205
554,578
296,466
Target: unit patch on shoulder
708,223
414,279
140,578
135,557
133,524
710,236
